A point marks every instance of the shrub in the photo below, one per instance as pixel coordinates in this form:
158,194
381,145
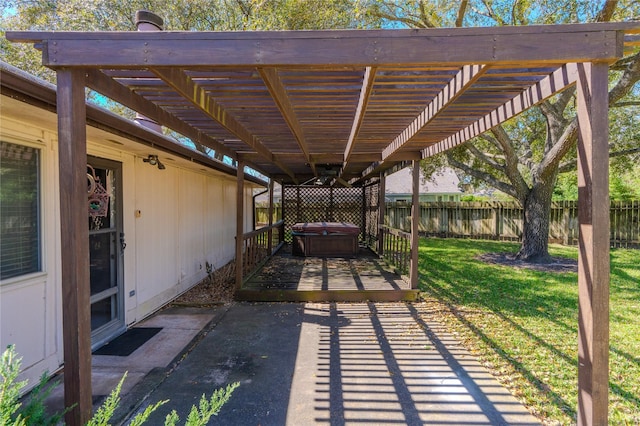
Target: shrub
12,413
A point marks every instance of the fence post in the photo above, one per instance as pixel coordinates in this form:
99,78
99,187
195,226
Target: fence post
566,224
497,218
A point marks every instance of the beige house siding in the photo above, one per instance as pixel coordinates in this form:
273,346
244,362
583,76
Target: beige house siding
174,221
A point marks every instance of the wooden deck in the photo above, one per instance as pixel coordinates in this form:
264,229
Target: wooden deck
292,278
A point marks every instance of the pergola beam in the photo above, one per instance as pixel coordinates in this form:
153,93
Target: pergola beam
279,94
533,44
545,88
464,79
198,96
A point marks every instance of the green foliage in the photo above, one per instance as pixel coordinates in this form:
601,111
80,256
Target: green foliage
523,323
106,410
206,408
12,412
566,187
33,413
34,410
9,388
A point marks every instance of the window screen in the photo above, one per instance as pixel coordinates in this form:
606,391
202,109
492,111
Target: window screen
19,210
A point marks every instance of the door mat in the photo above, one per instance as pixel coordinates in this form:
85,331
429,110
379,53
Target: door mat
129,341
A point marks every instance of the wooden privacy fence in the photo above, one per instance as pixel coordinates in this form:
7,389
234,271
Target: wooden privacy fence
503,221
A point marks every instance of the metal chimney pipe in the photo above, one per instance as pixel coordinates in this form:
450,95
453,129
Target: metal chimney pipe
148,21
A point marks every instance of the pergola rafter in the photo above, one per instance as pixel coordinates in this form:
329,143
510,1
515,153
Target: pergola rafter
365,92
198,96
279,94
364,102
557,81
462,81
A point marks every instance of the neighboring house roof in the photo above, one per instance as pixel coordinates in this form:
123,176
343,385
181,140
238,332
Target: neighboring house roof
445,182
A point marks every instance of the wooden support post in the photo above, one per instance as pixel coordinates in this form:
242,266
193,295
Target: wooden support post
282,212
239,223
74,235
382,210
415,220
593,246
363,204
270,220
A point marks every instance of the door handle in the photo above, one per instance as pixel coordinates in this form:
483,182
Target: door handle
123,244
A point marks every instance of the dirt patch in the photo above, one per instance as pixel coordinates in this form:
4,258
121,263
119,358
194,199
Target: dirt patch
557,264
216,289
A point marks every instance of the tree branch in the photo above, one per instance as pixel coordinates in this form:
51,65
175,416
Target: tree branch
491,139
492,14
410,22
624,104
559,150
573,164
483,176
630,76
482,157
424,17
461,12
564,99
606,13
511,162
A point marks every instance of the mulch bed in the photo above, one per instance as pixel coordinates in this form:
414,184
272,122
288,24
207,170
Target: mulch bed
215,290
556,264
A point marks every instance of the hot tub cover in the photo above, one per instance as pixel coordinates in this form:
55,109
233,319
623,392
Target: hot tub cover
326,228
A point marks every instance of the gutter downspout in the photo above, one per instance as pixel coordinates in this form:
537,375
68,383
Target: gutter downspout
255,223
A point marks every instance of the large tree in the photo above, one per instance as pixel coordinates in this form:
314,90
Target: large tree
523,157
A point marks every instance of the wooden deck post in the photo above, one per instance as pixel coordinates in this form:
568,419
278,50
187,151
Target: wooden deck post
382,210
363,204
270,219
415,221
593,253
282,212
239,222
74,235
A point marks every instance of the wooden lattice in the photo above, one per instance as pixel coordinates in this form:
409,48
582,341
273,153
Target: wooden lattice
327,204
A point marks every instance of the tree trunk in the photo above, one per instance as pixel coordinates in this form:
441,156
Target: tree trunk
535,233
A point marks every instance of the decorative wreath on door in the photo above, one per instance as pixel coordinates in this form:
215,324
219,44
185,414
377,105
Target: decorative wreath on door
97,195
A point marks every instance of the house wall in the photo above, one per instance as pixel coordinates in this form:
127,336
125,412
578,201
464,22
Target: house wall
174,221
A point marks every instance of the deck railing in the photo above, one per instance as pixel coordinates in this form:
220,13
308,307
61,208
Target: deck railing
259,245
395,248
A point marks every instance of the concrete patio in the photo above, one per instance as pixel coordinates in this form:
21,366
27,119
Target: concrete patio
310,363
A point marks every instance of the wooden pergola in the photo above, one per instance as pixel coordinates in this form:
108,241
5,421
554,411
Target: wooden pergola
295,104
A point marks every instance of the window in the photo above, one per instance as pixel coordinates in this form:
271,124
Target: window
19,210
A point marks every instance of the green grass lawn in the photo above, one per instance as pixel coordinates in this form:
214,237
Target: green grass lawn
522,324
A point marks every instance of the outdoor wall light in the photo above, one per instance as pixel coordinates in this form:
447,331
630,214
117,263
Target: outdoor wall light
154,161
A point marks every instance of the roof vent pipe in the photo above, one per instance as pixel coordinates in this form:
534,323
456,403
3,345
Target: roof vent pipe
148,21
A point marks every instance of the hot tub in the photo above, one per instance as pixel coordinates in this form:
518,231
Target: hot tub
325,239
